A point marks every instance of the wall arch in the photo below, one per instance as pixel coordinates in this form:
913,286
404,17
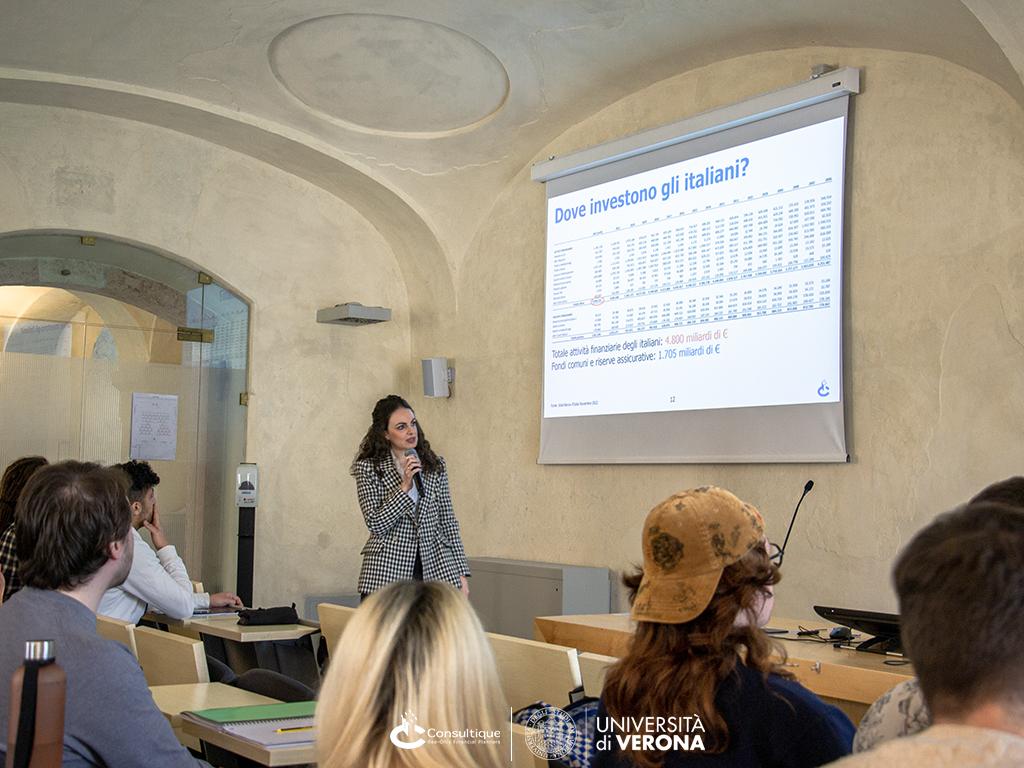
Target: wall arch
413,243
285,244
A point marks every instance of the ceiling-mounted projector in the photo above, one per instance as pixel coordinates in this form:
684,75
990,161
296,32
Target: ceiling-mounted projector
353,313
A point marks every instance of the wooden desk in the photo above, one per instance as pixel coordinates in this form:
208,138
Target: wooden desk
605,633
285,648
298,755
521,755
241,633
226,626
851,679
172,700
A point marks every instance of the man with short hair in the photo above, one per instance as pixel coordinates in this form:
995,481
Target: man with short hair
74,542
902,711
1009,492
157,579
966,567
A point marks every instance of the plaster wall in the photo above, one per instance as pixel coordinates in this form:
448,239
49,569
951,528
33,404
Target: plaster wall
285,245
933,316
934,364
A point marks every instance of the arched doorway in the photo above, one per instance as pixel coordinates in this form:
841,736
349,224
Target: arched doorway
90,328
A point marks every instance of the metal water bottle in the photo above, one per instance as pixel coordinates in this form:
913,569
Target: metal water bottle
35,733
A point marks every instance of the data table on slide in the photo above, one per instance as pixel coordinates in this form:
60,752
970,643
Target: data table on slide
714,282
746,259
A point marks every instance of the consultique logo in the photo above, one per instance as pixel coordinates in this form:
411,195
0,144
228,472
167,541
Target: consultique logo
407,729
409,734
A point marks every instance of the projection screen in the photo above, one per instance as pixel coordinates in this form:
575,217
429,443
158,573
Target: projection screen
694,283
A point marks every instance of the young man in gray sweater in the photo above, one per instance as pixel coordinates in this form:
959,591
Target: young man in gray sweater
74,539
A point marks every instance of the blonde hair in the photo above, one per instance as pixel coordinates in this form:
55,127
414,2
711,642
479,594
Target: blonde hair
413,647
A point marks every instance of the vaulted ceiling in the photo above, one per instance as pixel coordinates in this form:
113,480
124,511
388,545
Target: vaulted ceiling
428,109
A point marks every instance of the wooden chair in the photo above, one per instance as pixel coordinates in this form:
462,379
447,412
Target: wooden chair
115,629
333,620
532,671
592,669
184,629
168,659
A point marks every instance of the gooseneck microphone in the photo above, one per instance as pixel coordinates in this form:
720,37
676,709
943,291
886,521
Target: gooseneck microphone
419,479
807,489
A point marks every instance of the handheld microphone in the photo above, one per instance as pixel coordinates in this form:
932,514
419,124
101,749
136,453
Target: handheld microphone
807,489
416,477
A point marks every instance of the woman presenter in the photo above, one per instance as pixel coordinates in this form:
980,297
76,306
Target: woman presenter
403,492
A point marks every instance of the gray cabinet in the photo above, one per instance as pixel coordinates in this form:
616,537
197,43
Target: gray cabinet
508,594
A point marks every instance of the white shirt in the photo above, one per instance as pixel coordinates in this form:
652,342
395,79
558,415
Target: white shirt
156,579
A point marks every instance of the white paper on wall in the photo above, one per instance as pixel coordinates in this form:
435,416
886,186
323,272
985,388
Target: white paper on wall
154,427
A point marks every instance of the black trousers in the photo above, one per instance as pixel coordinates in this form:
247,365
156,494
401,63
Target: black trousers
417,567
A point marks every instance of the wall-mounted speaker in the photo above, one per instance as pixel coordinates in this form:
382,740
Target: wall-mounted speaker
436,375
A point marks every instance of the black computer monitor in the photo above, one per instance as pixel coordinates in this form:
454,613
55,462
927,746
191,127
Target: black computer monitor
884,628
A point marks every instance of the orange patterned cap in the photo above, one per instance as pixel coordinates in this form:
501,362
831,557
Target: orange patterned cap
688,541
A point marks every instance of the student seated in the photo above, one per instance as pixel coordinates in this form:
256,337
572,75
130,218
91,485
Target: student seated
157,579
74,541
412,661
903,711
15,476
900,711
700,601
960,584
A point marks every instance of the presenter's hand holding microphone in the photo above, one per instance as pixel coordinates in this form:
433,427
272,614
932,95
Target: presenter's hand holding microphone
411,468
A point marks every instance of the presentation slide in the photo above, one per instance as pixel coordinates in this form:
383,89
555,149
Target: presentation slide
710,283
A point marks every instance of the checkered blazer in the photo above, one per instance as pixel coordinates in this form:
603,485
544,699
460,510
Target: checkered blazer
397,525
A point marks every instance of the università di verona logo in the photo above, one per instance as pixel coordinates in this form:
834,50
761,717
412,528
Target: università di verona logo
641,734
409,734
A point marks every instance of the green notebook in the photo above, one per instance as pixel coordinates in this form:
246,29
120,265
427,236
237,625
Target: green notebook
257,712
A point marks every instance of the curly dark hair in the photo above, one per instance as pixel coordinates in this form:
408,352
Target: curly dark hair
15,476
375,443
140,476
676,669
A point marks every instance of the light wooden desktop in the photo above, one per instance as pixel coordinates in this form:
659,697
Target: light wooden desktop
243,647
299,755
851,679
226,626
172,700
296,755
